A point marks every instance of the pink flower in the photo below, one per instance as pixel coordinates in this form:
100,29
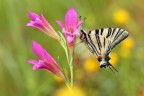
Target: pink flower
71,25
45,61
42,24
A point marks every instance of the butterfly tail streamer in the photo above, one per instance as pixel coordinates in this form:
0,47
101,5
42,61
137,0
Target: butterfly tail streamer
112,67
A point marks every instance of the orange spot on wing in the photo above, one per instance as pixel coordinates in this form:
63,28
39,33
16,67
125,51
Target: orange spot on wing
100,57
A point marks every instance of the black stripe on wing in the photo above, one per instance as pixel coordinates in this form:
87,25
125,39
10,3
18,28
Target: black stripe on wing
109,32
120,31
104,41
98,39
92,43
109,47
110,36
83,37
113,32
96,31
102,31
101,37
99,42
120,36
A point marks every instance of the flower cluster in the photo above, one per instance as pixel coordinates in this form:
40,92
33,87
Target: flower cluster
66,38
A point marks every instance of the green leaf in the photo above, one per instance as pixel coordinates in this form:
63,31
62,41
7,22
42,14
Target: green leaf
63,44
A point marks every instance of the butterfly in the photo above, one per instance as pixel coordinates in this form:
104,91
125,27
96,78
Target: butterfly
102,41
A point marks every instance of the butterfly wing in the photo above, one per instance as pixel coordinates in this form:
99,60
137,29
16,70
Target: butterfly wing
118,36
90,45
88,42
105,39
99,40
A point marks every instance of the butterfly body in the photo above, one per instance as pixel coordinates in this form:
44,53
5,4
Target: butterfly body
102,41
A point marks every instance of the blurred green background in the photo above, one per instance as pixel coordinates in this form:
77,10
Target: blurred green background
17,77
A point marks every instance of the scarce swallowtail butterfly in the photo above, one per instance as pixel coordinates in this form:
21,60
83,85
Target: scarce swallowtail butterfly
102,41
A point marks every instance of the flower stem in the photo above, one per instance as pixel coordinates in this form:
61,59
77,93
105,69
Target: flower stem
71,70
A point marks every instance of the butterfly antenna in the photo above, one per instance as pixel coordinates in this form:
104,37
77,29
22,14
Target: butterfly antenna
80,17
83,21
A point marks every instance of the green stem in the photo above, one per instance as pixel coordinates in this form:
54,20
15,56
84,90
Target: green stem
70,62
71,70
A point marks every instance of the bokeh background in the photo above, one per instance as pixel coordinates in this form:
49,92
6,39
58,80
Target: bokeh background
17,77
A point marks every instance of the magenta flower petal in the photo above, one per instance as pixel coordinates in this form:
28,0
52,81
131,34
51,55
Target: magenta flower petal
79,23
69,38
29,24
38,50
76,32
60,23
34,25
33,16
49,58
42,53
46,23
39,65
71,18
32,61
44,20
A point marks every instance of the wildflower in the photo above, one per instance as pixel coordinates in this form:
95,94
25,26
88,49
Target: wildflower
121,16
45,61
42,24
91,65
71,26
77,91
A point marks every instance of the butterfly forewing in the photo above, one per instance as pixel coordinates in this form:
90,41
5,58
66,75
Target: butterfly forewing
95,42
90,44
